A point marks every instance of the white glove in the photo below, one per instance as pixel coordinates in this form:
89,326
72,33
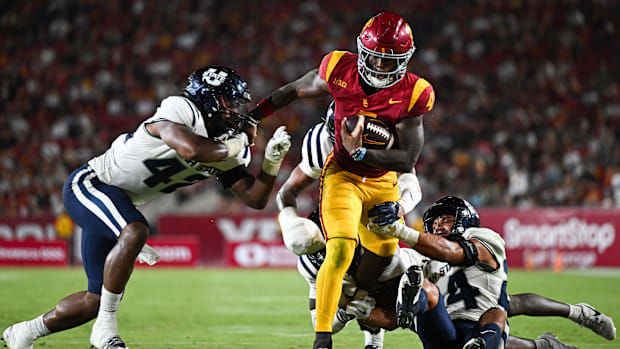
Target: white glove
276,149
397,230
410,192
300,235
148,255
236,144
361,305
349,288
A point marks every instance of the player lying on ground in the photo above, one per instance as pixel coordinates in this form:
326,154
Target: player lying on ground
200,134
471,280
303,236
373,83
376,310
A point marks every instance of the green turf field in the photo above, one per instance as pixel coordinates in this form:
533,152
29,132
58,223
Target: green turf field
222,308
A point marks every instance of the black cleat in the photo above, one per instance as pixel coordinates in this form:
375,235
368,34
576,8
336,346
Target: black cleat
409,291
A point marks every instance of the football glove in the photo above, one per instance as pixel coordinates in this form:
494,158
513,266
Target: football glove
397,230
385,213
276,149
361,305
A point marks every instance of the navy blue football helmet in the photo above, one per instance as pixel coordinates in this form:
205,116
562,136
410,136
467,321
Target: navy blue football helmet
222,96
329,121
465,215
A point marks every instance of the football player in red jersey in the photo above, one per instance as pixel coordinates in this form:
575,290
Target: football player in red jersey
373,83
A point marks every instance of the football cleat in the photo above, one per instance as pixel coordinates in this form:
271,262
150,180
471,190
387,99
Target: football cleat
409,291
372,347
549,341
18,336
104,335
475,343
598,322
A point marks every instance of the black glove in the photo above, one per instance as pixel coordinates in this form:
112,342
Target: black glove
385,213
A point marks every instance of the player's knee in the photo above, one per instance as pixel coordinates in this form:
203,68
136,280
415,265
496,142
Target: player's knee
495,315
135,234
432,294
340,252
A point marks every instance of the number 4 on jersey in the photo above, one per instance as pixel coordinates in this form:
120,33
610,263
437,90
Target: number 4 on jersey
164,169
460,289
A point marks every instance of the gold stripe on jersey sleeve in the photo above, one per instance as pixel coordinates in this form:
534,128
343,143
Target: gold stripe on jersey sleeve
419,87
333,60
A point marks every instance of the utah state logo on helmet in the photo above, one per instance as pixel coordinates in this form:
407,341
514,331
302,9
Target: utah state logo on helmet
218,90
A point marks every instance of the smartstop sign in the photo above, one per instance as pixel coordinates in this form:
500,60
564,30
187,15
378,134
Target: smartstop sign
576,238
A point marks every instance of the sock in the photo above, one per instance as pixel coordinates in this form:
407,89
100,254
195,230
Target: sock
374,339
323,340
108,304
574,312
492,335
38,326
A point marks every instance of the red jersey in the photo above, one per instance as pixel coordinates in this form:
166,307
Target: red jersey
410,97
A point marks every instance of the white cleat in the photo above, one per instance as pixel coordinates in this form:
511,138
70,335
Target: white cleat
18,336
105,336
598,322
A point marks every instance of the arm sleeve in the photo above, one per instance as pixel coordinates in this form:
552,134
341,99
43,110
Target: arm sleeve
490,239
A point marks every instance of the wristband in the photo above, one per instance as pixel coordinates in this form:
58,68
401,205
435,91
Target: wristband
358,153
271,167
264,108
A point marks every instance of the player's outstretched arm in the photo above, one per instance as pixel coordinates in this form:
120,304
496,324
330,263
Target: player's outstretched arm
254,191
191,146
295,184
300,234
309,85
463,252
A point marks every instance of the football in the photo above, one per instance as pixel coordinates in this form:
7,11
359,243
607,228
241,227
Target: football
375,135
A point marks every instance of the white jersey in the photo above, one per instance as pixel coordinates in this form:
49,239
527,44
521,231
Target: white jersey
145,167
470,291
314,150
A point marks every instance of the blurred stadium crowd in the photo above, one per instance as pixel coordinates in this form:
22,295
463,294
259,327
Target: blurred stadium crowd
527,110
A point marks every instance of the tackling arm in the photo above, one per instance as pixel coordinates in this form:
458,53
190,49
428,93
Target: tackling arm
309,85
296,182
191,146
300,235
465,252
254,191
